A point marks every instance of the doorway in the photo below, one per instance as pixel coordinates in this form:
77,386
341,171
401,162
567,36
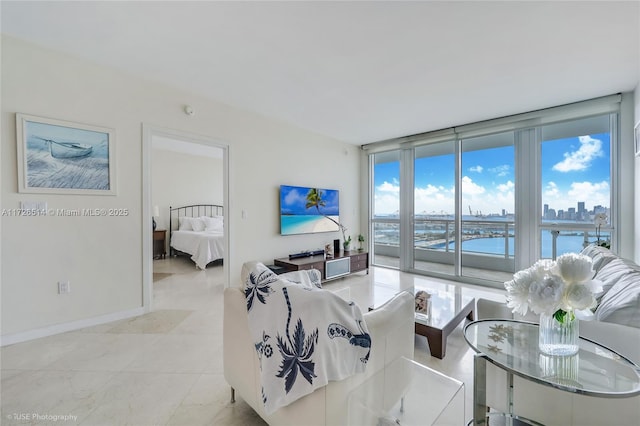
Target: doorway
181,145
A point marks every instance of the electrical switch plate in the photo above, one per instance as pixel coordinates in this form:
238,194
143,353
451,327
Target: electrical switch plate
64,287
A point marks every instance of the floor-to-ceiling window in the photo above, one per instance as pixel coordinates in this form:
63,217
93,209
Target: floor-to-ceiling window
488,205
575,177
434,207
385,215
491,198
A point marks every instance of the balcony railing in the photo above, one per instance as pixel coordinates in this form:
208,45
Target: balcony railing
484,237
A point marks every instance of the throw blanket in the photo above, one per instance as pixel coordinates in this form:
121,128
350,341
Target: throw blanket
304,336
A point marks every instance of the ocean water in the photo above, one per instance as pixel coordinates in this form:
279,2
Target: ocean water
564,244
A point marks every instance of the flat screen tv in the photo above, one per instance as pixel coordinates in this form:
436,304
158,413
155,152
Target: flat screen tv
308,210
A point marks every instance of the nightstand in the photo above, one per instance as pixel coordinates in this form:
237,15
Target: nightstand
159,238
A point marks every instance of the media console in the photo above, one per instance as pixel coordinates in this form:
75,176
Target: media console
345,263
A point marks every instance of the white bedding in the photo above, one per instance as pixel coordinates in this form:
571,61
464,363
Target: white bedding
203,246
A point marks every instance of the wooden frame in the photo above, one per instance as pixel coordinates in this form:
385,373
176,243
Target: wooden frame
61,157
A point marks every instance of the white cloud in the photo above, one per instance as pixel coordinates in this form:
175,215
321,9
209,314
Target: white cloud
469,187
477,169
594,193
506,187
501,170
293,197
551,190
388,187
590,148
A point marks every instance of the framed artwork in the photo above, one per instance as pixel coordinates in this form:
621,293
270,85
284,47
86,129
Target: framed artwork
636,138
62,157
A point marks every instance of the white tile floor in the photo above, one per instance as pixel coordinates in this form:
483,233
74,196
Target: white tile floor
165,368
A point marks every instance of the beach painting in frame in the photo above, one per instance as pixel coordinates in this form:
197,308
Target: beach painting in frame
61,157
306,210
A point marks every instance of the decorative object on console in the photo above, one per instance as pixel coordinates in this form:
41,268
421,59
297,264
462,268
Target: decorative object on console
308,210
347,243
328,251
360,242
336,247
556,290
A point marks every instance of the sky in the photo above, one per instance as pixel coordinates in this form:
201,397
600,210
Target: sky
573,169
293,200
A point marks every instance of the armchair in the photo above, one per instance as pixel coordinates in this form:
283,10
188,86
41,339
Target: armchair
392,333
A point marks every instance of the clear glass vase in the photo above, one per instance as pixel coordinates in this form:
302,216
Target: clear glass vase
559,338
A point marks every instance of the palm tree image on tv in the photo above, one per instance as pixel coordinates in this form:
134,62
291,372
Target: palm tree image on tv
308,210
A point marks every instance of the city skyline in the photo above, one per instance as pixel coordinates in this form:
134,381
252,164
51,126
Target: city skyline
574,170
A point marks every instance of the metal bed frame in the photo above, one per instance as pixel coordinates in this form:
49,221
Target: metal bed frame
194,210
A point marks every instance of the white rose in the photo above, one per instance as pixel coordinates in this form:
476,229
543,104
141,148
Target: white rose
578,296
545,296
518,291
574,268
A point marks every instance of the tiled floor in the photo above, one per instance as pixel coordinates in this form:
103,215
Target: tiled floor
165,368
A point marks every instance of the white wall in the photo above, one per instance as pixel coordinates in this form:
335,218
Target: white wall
102,257
636,197
179,179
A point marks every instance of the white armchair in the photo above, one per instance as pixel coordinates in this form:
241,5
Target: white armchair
392,333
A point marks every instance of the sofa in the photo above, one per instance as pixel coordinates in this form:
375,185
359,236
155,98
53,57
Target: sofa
616,325
392,335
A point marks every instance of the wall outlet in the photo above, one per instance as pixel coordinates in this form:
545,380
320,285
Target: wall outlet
64,287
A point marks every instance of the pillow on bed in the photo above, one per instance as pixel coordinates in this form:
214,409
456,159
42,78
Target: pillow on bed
184,224
213,223
197,224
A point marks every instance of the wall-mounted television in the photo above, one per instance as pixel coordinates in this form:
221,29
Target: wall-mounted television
308,210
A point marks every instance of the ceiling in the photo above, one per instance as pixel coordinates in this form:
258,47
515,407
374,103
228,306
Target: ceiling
356,71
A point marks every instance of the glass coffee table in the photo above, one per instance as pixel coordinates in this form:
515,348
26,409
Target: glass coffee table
444,307
513,346
409,394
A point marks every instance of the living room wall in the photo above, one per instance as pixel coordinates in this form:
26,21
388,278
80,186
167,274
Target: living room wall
102,256
636,191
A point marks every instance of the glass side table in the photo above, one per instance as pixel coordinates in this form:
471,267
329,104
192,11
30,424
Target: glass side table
513,346
407,393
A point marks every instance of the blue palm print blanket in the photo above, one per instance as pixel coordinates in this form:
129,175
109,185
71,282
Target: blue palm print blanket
304,336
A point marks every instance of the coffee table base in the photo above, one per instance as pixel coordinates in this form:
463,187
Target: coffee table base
436,337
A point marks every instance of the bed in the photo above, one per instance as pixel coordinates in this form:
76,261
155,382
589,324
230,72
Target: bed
197,231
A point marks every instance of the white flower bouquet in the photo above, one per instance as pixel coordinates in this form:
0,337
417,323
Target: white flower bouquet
558,288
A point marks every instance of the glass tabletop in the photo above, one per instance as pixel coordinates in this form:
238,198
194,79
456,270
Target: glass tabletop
595,370
441,305
435,304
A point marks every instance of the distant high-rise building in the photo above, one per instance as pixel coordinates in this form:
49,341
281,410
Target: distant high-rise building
560,214
546,209
580,206
504,212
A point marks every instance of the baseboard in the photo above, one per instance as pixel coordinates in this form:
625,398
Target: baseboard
10,339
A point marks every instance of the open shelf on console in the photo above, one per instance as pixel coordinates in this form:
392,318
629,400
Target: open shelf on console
344,264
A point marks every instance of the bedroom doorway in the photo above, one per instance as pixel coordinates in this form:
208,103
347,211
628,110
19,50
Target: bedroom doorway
190,172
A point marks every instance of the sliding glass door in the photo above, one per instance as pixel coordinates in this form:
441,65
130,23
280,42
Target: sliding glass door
488,206
434,208
385,218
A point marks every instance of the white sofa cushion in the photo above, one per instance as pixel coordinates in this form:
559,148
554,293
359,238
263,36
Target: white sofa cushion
621,304
599,255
